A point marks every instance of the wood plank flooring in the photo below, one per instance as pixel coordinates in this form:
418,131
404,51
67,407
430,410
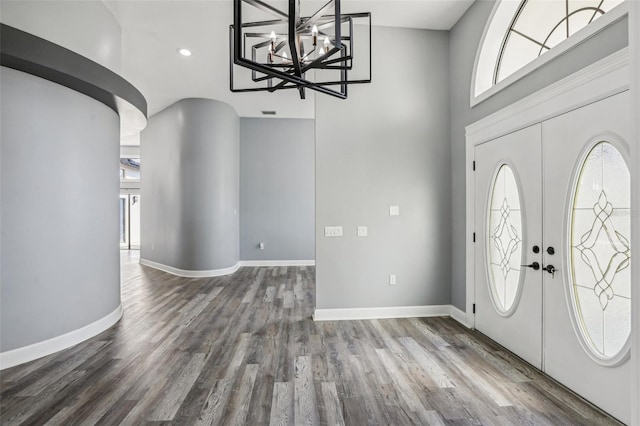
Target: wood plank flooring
243,349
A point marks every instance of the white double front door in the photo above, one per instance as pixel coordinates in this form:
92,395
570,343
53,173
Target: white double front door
552,264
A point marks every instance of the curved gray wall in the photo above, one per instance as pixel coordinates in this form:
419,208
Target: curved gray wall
62,23
190,186
60,266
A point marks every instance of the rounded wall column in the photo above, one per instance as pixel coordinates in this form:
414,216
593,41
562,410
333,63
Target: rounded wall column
190,187
59,151
60,260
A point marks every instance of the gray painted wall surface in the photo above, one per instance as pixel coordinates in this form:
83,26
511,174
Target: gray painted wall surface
190,186
464,39
388,144
277,190
85,27
60,265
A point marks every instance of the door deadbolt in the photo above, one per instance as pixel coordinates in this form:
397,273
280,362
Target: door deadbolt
536,249
551,250
550,269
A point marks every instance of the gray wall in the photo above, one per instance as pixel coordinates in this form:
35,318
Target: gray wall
60,266
464,39
277,191
85,27
388,144
190,186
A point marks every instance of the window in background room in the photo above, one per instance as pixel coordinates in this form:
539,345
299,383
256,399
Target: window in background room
130,168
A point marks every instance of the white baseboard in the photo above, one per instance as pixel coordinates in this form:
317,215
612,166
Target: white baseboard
38,350
459,316
390,312
380,313
188,273
224,271
277,263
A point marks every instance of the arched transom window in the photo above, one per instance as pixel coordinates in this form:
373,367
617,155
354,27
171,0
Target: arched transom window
520,31
539,25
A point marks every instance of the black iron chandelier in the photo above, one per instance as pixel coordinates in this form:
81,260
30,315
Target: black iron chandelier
288,51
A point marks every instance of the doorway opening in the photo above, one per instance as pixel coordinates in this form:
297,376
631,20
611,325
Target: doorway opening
130,221
129,204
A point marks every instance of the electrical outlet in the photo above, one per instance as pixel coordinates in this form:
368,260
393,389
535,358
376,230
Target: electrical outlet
394,210
362,231
333,231
392,279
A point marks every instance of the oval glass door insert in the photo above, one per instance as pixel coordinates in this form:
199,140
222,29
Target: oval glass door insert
601,252
504,240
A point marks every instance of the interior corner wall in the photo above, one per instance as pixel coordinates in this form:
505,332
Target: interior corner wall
463,43
277,189
190,186
387,144
60,265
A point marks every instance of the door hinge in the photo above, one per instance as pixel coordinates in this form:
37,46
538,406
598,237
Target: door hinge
474,308
474,237
474,165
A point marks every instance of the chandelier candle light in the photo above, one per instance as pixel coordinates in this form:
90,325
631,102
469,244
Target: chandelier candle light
287,51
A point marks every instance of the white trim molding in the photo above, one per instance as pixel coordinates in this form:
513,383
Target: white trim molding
38,350
634,47
223,271
189,273
277,263
599,80
346,314
459,316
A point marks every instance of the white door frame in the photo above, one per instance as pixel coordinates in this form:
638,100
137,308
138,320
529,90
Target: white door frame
634,46
602,79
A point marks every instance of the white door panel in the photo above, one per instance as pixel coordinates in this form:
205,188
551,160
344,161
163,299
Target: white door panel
566,141
505,236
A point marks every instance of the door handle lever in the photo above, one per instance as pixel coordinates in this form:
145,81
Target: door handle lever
550,269
535,266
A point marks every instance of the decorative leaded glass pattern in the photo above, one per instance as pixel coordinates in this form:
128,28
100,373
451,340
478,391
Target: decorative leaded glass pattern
539,25
601,252
504,239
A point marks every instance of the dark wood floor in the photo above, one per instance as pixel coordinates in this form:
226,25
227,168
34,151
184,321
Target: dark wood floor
243,349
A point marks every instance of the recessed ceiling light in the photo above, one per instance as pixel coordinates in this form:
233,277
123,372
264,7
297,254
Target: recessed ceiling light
184,52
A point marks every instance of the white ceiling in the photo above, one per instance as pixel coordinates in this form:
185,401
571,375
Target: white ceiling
153,30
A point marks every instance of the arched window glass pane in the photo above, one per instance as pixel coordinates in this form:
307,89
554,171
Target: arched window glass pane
539,25
504,239
600,251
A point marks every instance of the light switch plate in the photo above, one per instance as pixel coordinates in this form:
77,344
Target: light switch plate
333,231
362,231
394,210
392,279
